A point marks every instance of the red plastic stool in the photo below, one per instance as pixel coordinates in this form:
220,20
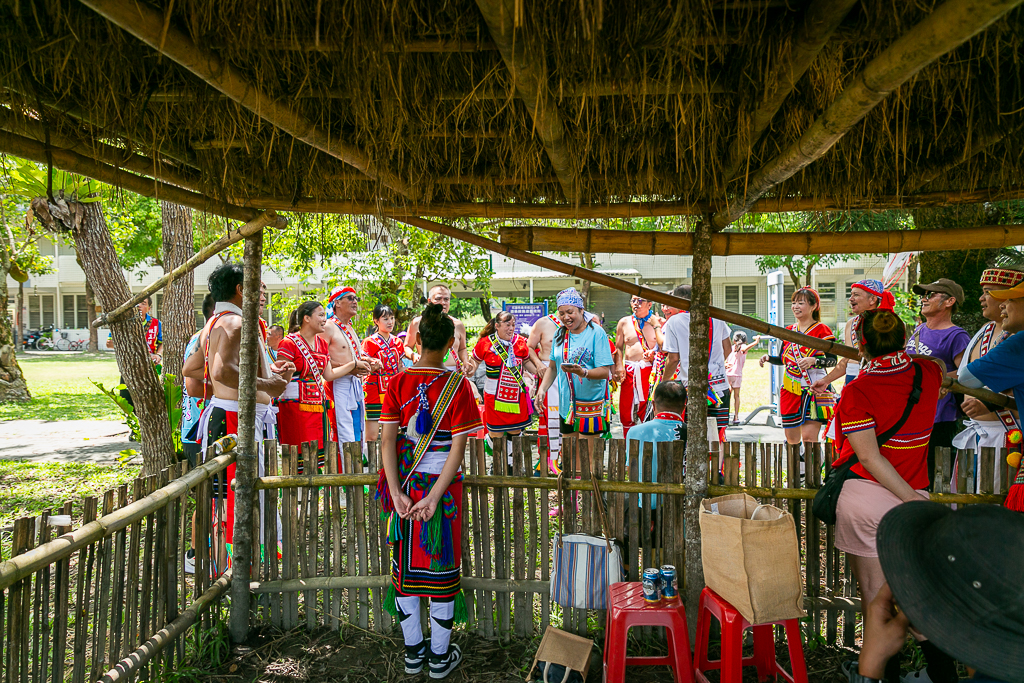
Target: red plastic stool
626,609
732,661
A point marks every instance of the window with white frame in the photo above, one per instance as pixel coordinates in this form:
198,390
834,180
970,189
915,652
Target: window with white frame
76,312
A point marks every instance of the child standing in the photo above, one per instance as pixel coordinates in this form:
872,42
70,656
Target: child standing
428,413
734,368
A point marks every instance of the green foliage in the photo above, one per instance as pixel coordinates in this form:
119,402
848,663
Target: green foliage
30,180
907,307
172,402
386,262
33,486
130,418
135,227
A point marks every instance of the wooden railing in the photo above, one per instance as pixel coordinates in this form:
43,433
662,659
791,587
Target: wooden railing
335,561
106,596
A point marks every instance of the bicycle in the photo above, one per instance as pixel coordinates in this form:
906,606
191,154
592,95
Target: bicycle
61,343
44,344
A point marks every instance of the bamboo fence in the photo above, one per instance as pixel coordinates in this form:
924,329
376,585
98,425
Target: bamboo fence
109,600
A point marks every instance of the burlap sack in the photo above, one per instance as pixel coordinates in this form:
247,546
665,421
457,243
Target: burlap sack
754,564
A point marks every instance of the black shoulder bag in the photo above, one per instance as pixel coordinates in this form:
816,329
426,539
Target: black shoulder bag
827,497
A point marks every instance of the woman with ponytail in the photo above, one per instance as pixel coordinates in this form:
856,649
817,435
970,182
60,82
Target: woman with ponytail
892,472
427,416
304,410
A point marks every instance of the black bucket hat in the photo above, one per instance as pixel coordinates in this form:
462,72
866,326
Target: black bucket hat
959,578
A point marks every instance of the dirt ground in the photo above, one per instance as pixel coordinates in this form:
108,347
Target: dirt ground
361,657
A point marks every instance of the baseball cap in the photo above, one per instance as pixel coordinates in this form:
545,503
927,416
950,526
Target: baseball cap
943,285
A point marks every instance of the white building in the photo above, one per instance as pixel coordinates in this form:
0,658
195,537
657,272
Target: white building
58,298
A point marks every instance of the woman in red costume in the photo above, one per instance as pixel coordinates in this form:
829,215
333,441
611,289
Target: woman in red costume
304,410
803,411
389,350
507,405
428,413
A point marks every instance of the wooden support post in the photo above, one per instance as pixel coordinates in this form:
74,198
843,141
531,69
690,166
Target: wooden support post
696,478
243,542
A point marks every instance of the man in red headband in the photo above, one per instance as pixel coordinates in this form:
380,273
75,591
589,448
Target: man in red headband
865,295
985,428
346,392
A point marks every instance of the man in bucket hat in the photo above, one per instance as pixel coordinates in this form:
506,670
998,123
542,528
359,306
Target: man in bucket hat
953,577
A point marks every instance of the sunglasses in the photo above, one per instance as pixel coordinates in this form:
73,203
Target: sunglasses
929,295
638,300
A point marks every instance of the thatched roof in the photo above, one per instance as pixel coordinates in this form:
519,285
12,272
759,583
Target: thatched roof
439,102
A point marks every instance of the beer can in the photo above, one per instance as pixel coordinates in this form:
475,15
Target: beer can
669,582
225,444
652,585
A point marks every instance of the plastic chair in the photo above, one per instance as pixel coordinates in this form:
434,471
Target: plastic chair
627,609
732,660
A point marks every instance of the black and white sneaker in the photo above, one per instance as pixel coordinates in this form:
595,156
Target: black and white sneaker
415,657
442,665
190,561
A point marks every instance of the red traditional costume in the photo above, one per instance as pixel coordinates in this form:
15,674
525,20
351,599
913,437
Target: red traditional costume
154,333
797,404
389,351
507,405
636,381
304,407
431,407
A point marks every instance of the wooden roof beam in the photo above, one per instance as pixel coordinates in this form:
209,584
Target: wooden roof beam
147,24
820,20
73,162
949,26
529,73
509,210
658,243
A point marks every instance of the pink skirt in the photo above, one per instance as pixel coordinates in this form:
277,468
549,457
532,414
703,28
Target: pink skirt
859,511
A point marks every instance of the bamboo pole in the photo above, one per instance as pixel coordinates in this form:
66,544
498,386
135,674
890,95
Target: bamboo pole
820,20
125,669
325,583
77,163
17,568
526,63
953,23
119,158
268,219
507,210
147,24
674,301
246,466
658,243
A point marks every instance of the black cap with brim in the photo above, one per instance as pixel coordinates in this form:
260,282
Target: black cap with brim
957,577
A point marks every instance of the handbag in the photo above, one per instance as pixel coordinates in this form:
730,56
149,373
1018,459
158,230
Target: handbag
584,565
827,497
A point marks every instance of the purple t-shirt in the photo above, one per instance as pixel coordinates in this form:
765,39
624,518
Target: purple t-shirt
945,344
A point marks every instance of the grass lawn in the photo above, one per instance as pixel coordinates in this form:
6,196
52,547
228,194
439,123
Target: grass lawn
32,487
61,389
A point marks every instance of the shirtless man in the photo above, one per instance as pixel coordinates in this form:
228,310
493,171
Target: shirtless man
216,358
347,358
638,338
541,337
459,356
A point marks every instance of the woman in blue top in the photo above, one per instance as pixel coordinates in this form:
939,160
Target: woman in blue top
581,362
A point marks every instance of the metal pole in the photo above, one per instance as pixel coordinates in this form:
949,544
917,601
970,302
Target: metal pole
531,290
245,465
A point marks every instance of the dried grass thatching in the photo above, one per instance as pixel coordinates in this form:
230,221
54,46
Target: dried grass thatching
650,94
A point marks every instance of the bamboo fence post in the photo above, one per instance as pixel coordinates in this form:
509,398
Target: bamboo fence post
246,458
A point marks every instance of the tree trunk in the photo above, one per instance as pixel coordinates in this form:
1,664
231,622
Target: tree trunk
242,549
696,478
178,314
485,308
90,305
12,381
89,229
19,316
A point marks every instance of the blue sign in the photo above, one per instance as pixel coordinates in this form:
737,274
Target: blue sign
526,314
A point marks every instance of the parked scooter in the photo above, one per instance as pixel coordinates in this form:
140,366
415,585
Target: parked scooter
40,340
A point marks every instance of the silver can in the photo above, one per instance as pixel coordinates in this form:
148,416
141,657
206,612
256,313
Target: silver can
652,585
669,582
